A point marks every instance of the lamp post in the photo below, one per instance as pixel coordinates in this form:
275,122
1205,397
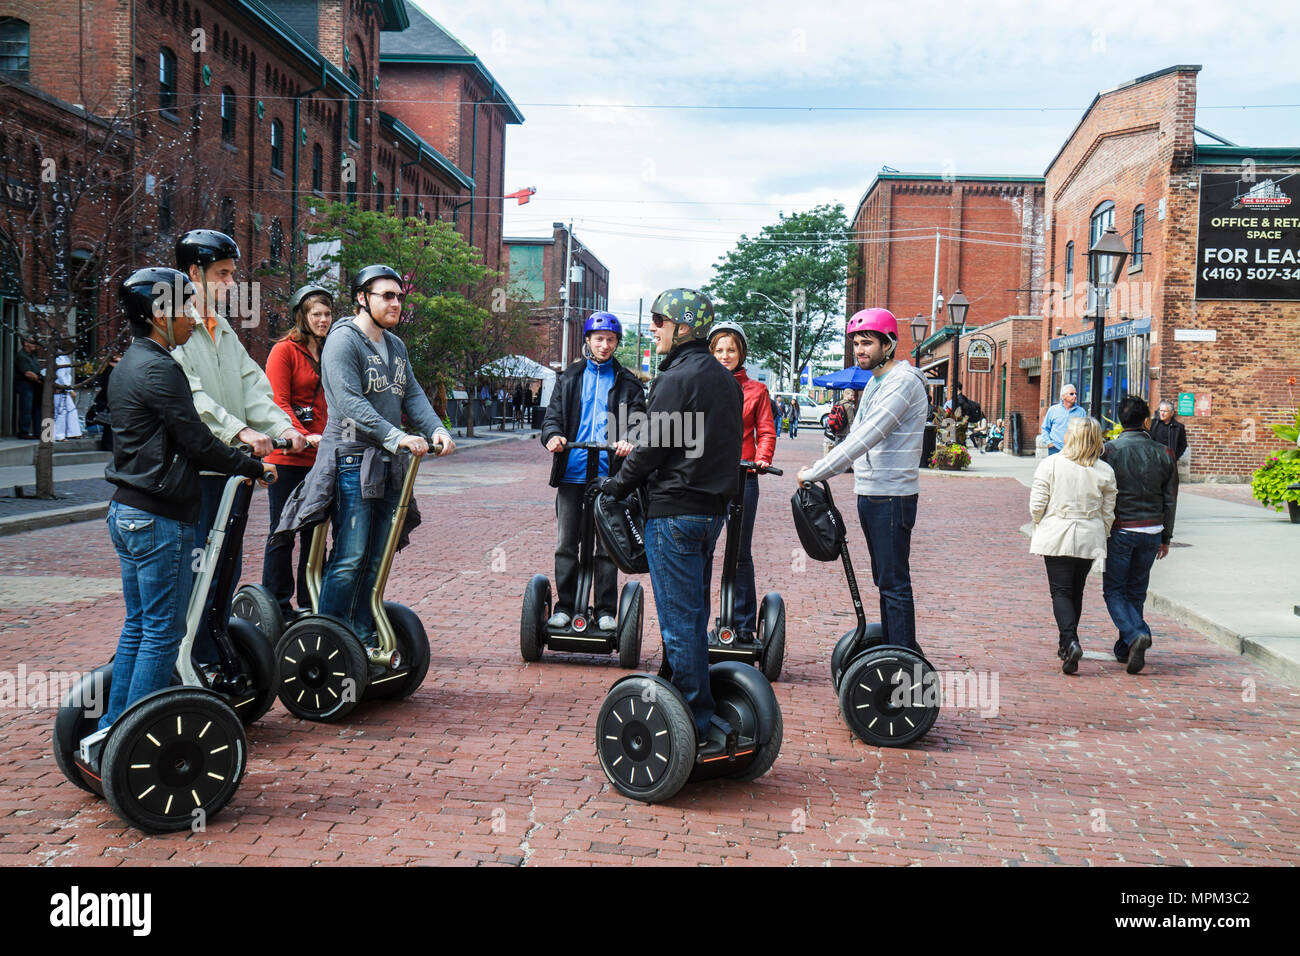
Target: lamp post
794,311
958,306
1110,245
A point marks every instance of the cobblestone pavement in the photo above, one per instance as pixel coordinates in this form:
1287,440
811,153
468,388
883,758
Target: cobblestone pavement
1194,761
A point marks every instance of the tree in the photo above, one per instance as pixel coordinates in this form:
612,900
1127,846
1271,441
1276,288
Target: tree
801,261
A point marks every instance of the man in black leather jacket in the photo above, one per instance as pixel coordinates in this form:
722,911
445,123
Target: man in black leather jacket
159,446
1144,525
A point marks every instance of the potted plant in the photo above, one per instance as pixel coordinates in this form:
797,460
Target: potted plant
950,458
1278,479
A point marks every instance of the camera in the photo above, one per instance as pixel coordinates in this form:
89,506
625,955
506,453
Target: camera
304,414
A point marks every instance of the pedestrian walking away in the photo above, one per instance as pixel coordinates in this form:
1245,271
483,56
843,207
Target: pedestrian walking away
1072,502
1147,479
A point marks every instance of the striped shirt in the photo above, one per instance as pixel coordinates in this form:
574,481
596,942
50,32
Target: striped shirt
884,444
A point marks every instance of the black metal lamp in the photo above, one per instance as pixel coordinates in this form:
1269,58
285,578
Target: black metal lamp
1109,247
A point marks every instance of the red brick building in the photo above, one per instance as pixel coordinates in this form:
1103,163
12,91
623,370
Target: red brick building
444,93
536,272
1208,304
990,246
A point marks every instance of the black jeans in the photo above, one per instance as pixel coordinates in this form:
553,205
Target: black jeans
28,407
568,514
1067,577
277,561
745,605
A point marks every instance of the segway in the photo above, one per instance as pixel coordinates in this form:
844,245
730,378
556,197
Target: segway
888,694
583,634
766,650
324,668
646,737
177,755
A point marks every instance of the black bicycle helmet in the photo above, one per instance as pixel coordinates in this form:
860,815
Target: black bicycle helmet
368,274
202,247
145,288
295,300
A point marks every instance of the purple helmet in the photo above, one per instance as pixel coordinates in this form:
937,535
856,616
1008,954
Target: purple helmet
602,322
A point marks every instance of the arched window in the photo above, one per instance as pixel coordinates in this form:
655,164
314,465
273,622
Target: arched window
227,115
277,147
1069,270
15,45
228,216
166,80
353,108
317,168
1139,227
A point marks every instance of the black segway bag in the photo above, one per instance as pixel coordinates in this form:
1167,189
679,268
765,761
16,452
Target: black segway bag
620,524
818,521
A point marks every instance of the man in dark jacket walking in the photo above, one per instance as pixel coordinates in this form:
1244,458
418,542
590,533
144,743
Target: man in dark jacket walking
594,401
690,465
1144,525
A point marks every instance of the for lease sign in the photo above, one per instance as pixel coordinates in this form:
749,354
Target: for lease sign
1248,246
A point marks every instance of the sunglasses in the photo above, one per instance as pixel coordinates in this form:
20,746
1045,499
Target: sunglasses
657,321
391,296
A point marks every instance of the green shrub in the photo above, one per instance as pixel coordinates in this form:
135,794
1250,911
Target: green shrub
1269,483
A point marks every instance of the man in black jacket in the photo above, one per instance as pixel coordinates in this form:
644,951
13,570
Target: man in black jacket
159,446
594,401
690,465
1144,525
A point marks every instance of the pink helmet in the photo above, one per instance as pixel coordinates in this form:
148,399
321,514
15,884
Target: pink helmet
873,320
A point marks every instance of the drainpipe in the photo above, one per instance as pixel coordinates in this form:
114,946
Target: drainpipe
293,190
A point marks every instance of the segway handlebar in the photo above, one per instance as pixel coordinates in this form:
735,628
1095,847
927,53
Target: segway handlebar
761,469
592,446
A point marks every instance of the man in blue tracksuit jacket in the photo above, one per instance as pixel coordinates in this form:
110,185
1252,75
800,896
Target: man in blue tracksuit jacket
594,401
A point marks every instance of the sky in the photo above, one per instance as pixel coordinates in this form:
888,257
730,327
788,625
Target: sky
667,130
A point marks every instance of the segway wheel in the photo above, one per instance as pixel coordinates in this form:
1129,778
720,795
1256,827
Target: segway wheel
532,620
889,696
256,605
771,635
874,637
256,660
78,717
323,669
645,737
631,618
413,644
173,759
745,699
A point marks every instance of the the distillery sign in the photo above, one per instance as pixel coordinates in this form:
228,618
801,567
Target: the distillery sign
1249,241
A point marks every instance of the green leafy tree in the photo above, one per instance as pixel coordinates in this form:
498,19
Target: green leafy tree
801,261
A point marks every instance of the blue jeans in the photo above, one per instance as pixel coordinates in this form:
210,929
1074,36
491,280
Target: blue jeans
360,533
676,548
156,555
887,521
745,611
1129,556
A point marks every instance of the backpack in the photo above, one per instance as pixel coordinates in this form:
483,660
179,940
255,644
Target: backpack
621,528
818,523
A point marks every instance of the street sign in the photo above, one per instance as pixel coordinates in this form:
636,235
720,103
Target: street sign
1196,335
1186,401
979,356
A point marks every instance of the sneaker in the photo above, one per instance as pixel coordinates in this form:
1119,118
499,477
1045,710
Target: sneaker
1121,651
1070,658
1137,653
607,622
558,620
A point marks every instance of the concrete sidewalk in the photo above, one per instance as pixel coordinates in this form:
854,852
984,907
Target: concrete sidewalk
1233,573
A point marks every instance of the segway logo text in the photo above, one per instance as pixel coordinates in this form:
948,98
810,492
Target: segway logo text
77,909
969,690
683,430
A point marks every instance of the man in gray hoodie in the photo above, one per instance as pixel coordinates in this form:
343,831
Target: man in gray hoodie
884,448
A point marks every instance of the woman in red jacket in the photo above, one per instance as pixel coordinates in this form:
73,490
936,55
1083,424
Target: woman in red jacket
293,369
729,346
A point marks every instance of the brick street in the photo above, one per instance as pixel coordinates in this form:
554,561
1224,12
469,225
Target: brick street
493,760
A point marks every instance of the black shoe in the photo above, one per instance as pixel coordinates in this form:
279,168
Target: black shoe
1121,651
1137,654
1070,658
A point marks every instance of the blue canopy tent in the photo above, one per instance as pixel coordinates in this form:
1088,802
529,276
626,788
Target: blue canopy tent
851,377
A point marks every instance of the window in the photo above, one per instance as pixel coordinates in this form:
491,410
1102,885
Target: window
228,115
379,197
228,216
1069,271
526,271
352,108
276,241
166,202
15,36
1139,227
277,147
352,189
1100,268
406,208
317,168
166,80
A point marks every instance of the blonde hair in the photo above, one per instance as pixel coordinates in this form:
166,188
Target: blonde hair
1083,440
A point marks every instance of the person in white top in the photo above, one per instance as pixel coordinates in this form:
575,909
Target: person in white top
67,424
884,448
1072,501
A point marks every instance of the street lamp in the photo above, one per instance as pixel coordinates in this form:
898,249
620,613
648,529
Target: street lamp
794,375
918,332
1109,246
958,306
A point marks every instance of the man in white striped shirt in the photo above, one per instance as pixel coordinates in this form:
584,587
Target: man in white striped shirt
884,448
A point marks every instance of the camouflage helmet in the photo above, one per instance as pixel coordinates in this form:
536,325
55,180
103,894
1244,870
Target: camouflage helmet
686,307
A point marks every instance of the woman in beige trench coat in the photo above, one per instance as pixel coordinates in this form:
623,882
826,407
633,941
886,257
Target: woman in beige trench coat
1072,501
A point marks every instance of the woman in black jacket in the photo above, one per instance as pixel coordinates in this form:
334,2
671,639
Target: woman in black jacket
159,446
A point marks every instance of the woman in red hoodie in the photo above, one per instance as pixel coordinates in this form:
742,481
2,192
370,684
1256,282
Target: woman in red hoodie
293,369
729,346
